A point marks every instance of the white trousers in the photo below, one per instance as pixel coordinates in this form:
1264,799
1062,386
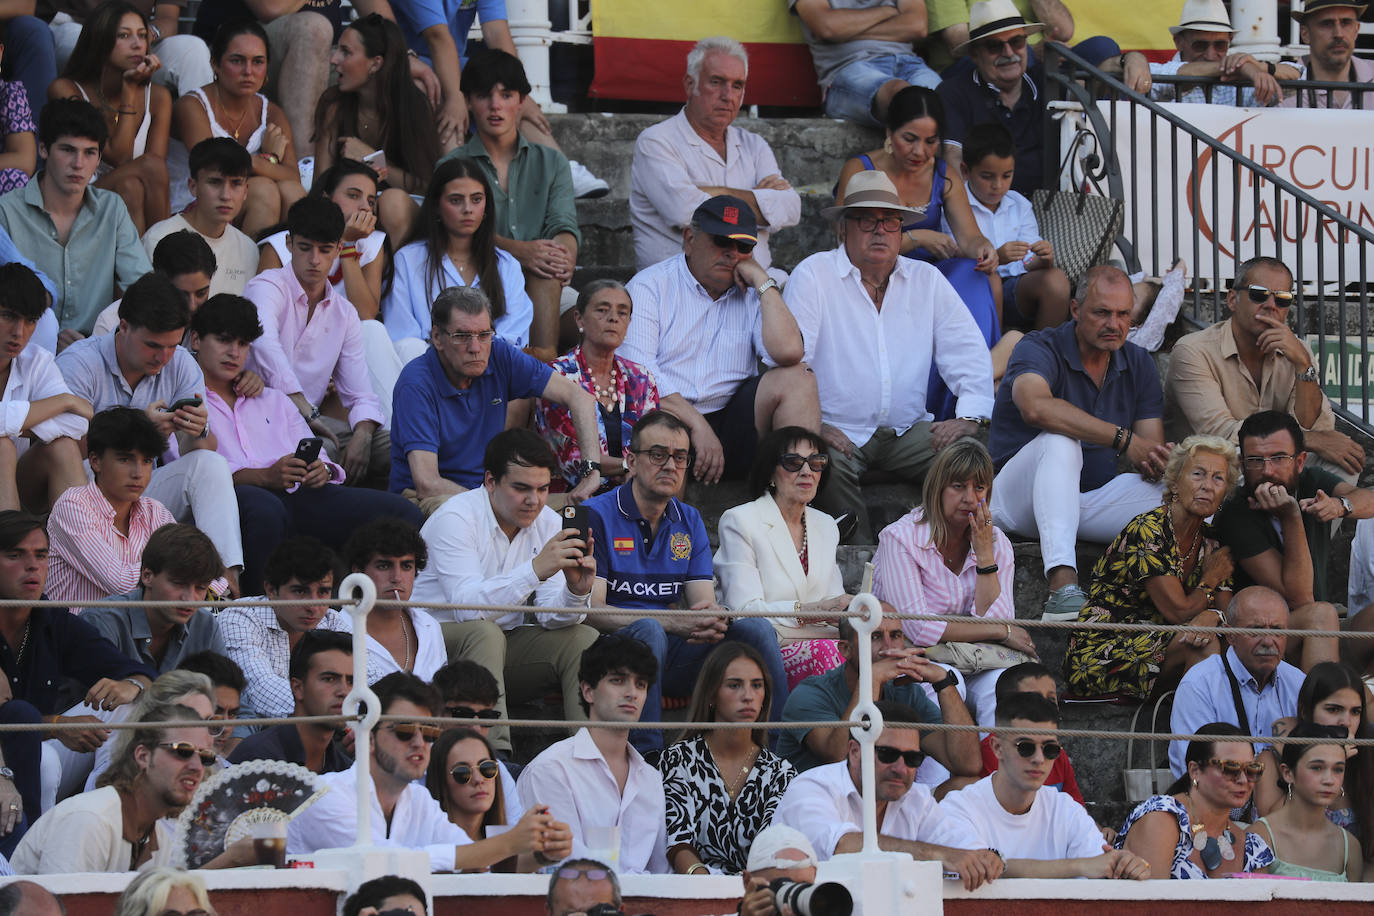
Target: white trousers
197,488
1036,494
384,363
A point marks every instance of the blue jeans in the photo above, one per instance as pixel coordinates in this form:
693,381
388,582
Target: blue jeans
850,94
30,59
23,753
679,663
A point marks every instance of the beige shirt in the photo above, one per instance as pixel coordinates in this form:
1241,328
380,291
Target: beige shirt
85,833
1208,390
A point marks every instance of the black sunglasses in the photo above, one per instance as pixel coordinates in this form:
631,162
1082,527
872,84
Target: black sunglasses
1260,295
1026,748
467,712
743,246
186,750
462,773
793,462
994,45
886,754
405,731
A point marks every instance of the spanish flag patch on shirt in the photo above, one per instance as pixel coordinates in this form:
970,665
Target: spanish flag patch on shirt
624,545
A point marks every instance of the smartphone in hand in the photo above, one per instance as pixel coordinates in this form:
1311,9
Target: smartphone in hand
579,519
308,449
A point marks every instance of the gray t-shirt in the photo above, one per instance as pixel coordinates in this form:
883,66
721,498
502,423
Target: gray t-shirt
830,57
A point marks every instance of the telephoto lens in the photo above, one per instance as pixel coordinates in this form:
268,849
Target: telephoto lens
827,899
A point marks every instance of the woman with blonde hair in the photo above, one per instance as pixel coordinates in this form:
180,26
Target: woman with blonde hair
163,891
1165,567
946,557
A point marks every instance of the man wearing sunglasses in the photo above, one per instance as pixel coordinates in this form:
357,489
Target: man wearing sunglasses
1203,40
404,814
321,677
581,886
1250,685
1250,362
824,804
702,322
1039,831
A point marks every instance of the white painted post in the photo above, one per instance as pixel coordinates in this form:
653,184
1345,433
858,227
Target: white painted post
1257,28
364,589
533,34
863,628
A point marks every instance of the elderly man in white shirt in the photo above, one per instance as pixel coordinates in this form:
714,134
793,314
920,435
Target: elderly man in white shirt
404,814
595,781
497,544
824,804
874,324
702,321
698,153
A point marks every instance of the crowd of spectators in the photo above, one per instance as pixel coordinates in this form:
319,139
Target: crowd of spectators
258,331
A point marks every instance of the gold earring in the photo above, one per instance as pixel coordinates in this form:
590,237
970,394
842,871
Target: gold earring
887,146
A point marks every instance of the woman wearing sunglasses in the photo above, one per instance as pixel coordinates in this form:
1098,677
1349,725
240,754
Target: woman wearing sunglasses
1312,778
463,778
777,553
624,390
1188,833
945,557
722,787
165,891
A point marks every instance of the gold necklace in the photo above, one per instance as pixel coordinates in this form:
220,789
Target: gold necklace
219,98
733,786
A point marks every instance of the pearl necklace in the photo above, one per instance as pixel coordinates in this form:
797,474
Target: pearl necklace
611,391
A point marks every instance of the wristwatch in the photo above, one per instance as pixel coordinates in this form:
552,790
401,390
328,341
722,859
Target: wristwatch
1346,503
765,286
1309,374
7,773
949,680
584,468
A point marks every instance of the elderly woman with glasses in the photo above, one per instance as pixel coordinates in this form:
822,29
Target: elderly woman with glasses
1188,832
1165,567
945,557
463,777
624,390
778,554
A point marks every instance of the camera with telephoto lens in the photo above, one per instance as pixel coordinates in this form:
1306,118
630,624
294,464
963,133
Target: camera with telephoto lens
827,899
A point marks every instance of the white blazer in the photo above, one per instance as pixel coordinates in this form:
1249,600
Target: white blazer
758,568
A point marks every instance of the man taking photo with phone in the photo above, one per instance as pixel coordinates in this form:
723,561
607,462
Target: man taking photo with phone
283,484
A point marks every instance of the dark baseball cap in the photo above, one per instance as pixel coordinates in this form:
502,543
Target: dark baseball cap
729,216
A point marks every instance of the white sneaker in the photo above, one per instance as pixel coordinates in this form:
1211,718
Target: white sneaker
585,184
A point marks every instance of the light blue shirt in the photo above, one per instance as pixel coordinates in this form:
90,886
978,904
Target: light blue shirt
407,309
10,254
103,247
1204,695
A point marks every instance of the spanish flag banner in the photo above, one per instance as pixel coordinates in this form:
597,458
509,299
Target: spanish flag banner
640,48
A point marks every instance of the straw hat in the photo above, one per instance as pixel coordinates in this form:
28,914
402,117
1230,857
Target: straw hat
873,189
1313,6
993,17
1203,16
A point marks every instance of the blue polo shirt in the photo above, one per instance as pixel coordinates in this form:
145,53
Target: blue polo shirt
414,16
641,569
431,414
1130,392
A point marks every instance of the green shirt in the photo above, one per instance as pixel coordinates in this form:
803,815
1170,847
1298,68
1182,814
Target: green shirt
1250,532
102,248
539,204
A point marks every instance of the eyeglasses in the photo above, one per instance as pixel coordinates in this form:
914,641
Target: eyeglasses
406,732
743,246
1051,749
793,462
462,773
867,222
186,750
1257,462
186,913
467,712
217,731
1260,295
658,456
572,873
995,45
886,754
463,338
1233,768
1221,46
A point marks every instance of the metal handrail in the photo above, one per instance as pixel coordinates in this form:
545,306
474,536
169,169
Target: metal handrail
1208,83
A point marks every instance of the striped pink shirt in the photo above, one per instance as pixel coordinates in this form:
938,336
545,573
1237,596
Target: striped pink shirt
89,558
910,574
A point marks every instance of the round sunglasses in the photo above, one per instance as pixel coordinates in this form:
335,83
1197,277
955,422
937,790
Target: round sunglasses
464,774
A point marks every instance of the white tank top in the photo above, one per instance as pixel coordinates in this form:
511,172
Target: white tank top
140,139
254,141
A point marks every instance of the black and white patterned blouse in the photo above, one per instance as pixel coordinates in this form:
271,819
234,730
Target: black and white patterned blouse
700,812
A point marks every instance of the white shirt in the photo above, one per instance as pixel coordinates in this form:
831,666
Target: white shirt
1222,94
85,833
671,163
406,312
428,653
696,346
1012,221
471,559
1055,827
574,780
34,376
824,804
417,822
236,257
873,366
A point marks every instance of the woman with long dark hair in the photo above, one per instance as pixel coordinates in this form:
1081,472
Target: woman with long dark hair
112,68
376,108
452,243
